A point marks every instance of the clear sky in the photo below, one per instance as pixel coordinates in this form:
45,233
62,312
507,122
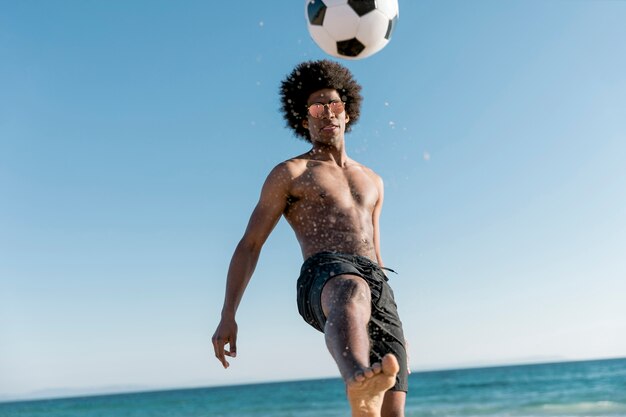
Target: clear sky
135,137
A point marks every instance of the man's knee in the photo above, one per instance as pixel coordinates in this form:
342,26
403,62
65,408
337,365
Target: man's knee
345,291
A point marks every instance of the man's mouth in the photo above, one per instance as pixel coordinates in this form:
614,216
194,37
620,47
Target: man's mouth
329,128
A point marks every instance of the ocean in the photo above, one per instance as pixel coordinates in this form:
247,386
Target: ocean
590,388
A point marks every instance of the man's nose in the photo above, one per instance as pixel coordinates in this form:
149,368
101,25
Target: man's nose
327,111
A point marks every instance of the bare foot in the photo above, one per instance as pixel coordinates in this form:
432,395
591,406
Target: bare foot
367,388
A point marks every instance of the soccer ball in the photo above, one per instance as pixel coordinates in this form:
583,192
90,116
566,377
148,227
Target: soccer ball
351,29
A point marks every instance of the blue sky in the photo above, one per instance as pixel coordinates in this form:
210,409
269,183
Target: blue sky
135,137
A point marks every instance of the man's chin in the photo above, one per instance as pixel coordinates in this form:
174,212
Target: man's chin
330,135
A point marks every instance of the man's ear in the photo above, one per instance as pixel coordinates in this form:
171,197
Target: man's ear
347,117
305,123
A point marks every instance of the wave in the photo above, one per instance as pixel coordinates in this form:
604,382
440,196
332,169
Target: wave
583,408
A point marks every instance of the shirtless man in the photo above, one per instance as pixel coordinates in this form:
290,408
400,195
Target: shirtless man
333,204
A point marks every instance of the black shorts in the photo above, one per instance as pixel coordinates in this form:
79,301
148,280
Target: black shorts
385,327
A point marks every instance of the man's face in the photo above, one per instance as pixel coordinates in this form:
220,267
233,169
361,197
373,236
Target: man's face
329,127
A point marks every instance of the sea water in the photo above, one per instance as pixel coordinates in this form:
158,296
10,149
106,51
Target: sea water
591,388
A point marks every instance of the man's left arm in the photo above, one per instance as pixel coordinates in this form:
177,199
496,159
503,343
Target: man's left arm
376,217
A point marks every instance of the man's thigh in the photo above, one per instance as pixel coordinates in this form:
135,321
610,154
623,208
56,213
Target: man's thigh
342,290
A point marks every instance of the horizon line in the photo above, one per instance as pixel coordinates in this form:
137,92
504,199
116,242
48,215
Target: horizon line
93,392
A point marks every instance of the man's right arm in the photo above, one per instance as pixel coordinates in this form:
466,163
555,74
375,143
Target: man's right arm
266,214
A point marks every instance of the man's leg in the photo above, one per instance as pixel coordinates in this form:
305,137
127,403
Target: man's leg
346,303
393,404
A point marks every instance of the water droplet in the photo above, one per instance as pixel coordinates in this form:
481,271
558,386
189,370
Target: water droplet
426,156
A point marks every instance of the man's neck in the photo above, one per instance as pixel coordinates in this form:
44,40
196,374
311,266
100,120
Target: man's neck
331,153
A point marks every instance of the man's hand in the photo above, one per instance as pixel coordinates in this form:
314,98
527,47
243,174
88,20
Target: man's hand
225,334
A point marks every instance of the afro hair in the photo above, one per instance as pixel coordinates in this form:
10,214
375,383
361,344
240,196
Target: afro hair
309,77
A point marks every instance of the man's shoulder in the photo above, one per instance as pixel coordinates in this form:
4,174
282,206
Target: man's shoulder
301,159
289,168
293,165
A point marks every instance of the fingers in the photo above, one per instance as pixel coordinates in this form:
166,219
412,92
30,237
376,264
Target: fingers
218,347
232,345
226,334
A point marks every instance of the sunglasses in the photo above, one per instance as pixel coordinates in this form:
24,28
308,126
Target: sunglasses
317,110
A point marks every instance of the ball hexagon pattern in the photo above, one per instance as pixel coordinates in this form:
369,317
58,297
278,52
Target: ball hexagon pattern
362,7
351,29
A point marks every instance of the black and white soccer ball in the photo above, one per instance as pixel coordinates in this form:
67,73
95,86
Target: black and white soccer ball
351,29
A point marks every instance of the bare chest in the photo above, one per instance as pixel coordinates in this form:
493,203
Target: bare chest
335,187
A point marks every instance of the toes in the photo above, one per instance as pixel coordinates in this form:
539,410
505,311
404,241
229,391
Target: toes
359,376
377,368
390,364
